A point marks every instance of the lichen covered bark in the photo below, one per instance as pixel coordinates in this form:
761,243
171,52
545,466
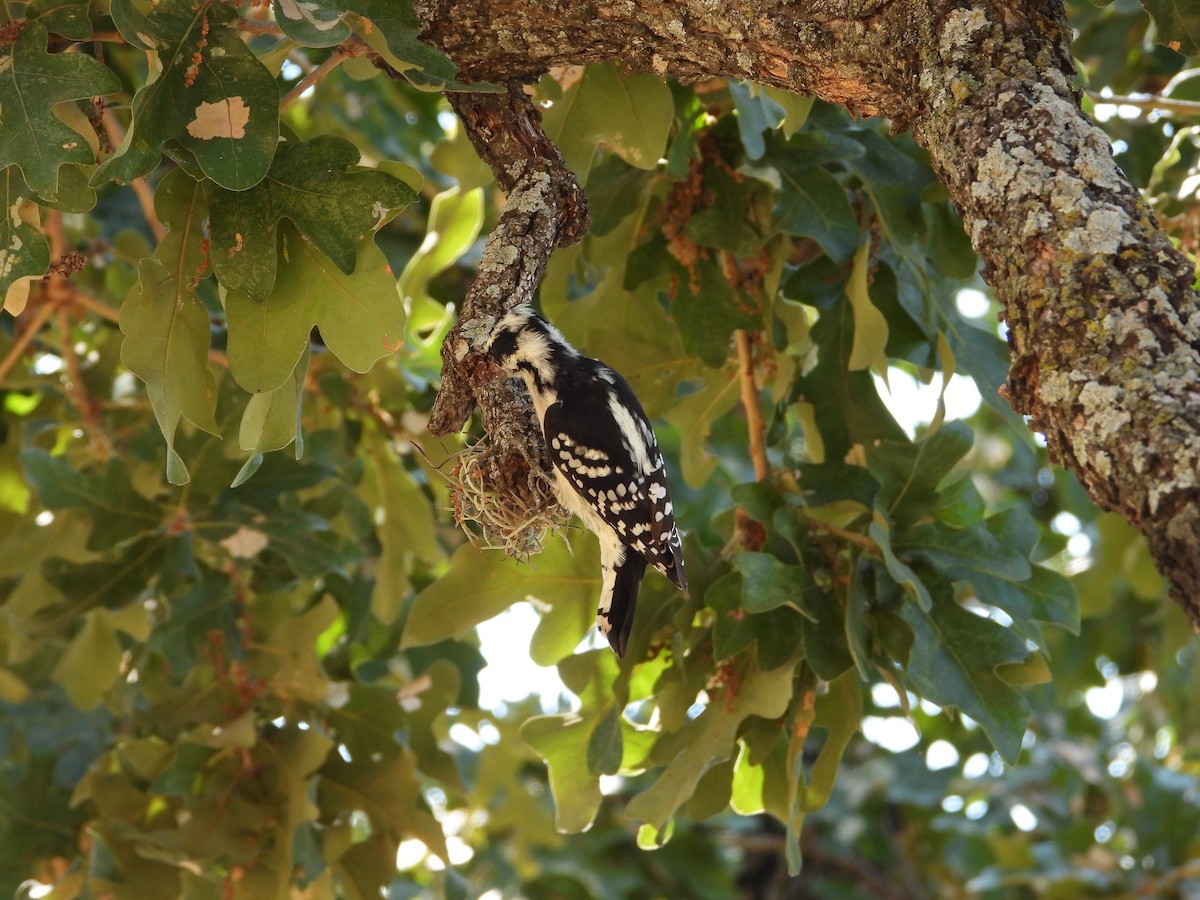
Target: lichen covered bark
544,209
1103,322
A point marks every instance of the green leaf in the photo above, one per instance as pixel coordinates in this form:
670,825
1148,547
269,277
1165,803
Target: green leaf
813,203
1045,596
118,512
795,108
481,584
66,17
954,661
271,420
891,178
733,631
710,738
847,407
707,315
564,742
424,66
630,116
605,745
694,416
839,711
909,472
730,222
91,662
756,112
360,315
455,218
408,531
870,326
214,97
388,791
1176,24
881,533
32,83
768,583
316,187
288,657
961,554
111,582
310,24
166,327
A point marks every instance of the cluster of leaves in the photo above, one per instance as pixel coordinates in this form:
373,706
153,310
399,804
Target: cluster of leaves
227,671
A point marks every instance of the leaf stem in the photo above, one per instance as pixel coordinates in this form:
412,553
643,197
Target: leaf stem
850,537
140,186
91,304
348,49
754,418
25,338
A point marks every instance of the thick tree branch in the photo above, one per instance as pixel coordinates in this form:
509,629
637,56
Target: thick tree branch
1102,319
545,209
1103,324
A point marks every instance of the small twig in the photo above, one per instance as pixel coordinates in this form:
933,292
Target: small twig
255,26
1151,104
91,304
56,294
348,49
141,187
850,537
754,418
75,386
25,338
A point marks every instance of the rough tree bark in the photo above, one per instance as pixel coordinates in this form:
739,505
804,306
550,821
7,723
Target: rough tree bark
545,209
1103,322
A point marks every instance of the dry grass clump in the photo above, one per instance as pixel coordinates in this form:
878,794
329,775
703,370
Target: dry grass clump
498,513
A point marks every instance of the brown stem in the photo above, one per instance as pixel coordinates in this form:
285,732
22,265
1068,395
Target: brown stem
92,305
25,338
140,186
850,537
754,418
101,446
348,49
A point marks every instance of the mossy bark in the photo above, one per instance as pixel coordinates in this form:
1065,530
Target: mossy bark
1103,322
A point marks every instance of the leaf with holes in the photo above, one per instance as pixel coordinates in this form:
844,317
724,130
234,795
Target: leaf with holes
213,97
1176,24
24,252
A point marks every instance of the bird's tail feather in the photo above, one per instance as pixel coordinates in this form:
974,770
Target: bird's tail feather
619,600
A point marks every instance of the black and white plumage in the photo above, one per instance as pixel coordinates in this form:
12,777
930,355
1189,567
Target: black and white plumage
607,464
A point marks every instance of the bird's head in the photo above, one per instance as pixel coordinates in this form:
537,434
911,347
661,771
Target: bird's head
525,344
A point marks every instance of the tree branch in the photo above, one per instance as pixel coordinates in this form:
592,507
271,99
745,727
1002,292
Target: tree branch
1102,319
749,394
545,209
